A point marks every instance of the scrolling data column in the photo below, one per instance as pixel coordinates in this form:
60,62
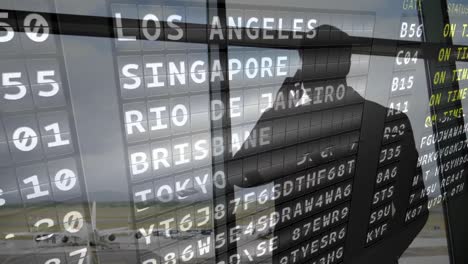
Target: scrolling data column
437,122
42,214
447,77
407,81
164,100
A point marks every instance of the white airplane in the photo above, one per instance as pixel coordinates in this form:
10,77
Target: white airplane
115,238
29,240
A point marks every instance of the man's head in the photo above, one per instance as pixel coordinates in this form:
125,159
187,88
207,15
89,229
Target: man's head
327,56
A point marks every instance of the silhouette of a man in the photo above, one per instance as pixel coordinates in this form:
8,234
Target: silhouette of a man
306,123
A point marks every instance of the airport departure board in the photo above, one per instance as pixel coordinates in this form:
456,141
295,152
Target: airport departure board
232,132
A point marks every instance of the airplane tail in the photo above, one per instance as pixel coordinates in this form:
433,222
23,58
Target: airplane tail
93,216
